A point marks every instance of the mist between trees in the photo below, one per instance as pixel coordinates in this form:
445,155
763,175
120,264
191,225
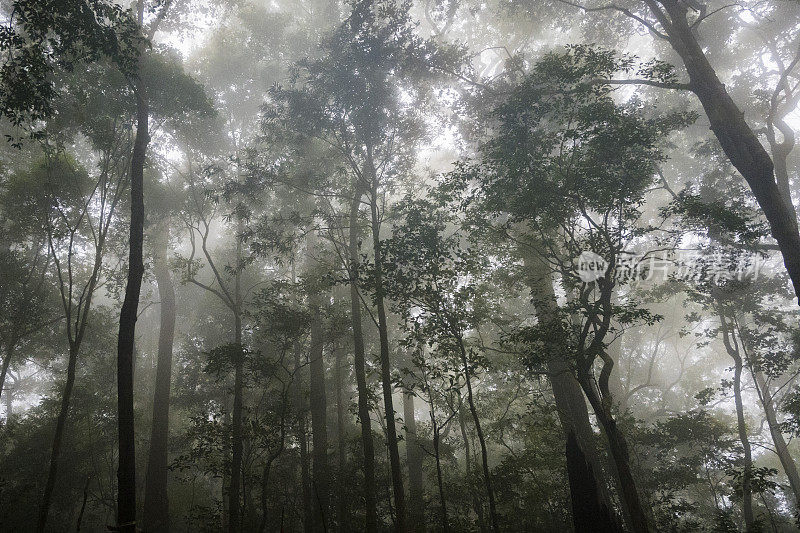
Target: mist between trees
394,265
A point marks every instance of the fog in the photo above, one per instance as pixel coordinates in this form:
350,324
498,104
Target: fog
395,265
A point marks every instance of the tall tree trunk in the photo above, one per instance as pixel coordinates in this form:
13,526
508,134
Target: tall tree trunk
61,422
732,347
437,457
319,420
126,472
305,477
573,416
414,458
234,521
342,514
487,478
386,369
156,496
476,502
786,459
593,516
302,440
747,493
359,367
737,139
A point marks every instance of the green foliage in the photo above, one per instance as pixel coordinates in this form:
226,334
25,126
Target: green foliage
42,36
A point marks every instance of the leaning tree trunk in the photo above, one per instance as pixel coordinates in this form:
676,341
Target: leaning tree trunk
476,503
737,139
156,497
619,453
416,497
319,420
487,478
781,449
359,367
386,370
58,437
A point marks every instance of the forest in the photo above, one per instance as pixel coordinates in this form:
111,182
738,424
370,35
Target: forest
399,266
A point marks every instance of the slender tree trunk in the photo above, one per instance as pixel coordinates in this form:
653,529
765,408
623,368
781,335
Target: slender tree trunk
359,367
414,458
262,527
234,521
732,347
481,438
83,504
156,502
319,420
747,493
126,472
386,370
476,503
305,478
737,139
786,459
437,458
61,422
302,440
342,513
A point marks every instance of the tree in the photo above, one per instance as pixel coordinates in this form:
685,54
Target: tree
426,274
350,99
573,203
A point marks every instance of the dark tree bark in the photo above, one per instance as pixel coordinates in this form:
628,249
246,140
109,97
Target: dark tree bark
737,139
156,502
386,368
359,366
414,458
619,451
319,420
589,514
126,472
